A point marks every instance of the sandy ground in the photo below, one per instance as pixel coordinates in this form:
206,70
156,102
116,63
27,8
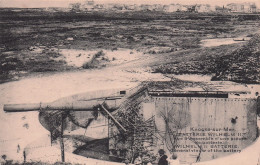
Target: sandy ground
78,58
75,57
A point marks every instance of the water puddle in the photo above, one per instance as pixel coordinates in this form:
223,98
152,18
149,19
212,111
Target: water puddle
193,77
222,41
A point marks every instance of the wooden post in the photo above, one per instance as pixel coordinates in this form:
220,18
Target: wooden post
51,137
24,156
61,140
112,117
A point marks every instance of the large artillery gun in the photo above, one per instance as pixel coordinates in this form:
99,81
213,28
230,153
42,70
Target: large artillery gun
136,119
80,110
106,101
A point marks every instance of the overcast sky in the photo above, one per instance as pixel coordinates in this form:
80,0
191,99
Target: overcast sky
64,3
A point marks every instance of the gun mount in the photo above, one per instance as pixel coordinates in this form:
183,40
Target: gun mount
138,121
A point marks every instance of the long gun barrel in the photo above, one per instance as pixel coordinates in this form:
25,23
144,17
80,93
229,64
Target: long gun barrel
63,106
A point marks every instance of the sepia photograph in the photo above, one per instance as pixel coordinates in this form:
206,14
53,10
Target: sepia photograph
129,82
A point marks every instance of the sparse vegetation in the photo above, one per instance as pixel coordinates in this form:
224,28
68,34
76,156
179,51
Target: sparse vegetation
236,63
4,157
26,125
30,38
93,63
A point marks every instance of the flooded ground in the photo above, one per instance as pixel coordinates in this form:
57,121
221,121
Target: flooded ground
223,41
193,77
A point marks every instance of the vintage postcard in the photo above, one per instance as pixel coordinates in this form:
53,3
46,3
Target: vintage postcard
121,82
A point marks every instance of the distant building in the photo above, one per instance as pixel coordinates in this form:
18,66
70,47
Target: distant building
174,8
130,7
185,8
246,7
157,7
192,8
88,5
119,7
203,8
234,7
99,7
75,7
222,9
212,8
109,6
90,2
145,7
250,8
